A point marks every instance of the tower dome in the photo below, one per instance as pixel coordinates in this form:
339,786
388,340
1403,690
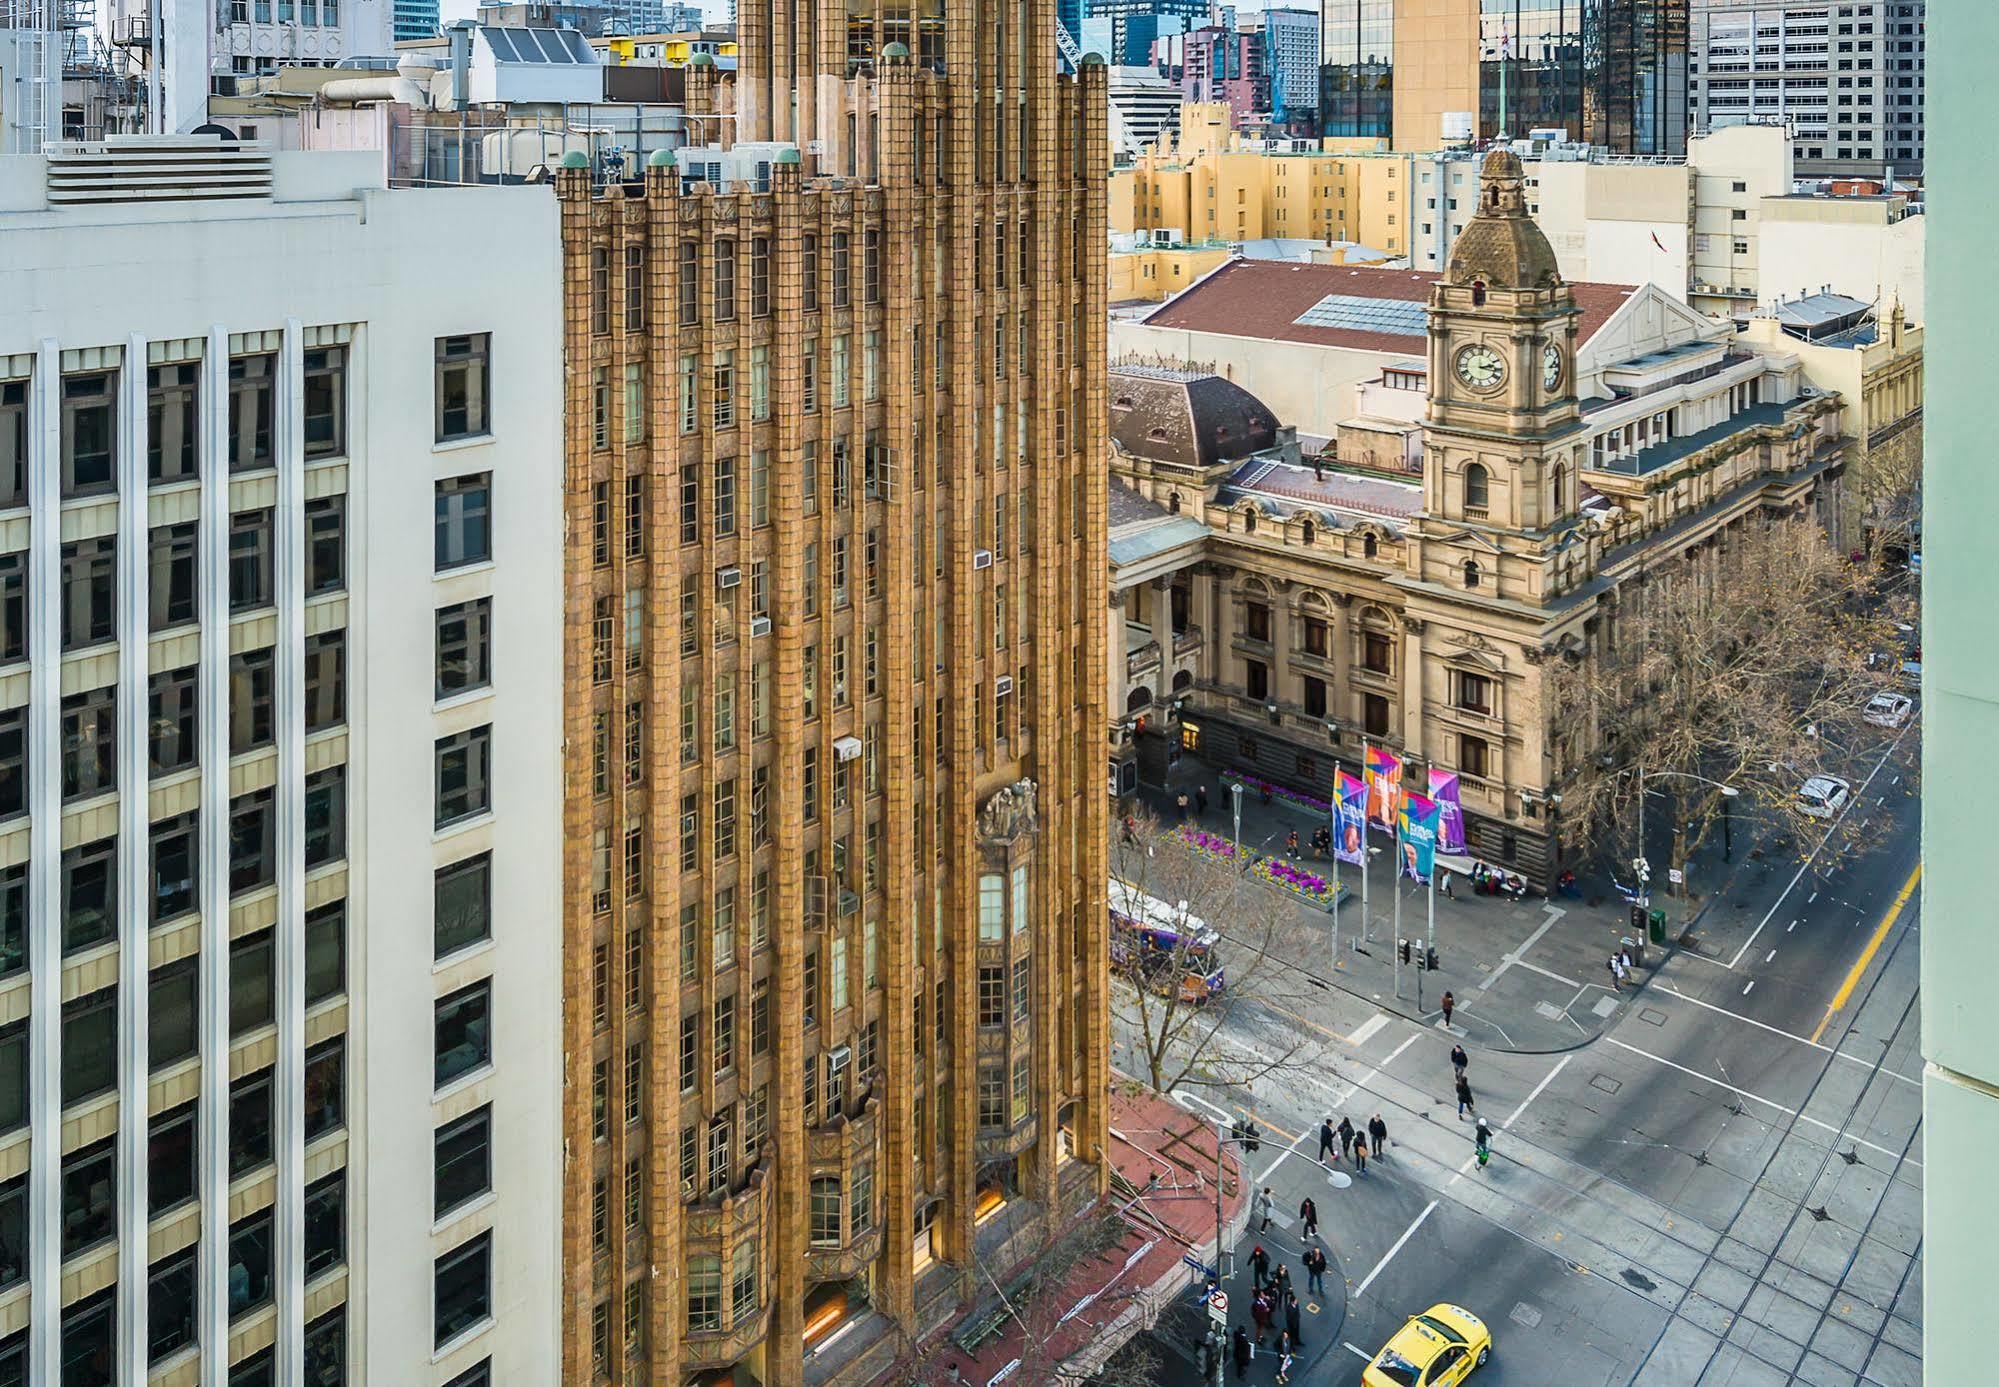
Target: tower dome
1501,246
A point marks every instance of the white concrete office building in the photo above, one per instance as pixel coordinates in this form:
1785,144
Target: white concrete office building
280,1081
1847,78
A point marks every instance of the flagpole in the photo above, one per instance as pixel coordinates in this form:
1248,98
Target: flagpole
1336,866
1395,889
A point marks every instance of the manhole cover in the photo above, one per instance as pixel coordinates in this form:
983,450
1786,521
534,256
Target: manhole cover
1651,1017
1639,1279
1606,1084
1525,1315
1548,1011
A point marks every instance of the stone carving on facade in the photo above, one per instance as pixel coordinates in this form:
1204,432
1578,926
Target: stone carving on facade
1413,625
1009,814
1472,640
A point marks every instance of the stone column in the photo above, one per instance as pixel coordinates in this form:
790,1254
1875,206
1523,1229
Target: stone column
1412,688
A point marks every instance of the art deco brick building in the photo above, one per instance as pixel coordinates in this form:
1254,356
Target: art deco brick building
834,915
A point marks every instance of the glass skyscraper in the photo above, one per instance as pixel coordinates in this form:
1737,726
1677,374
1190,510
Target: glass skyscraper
1610,72
1357,76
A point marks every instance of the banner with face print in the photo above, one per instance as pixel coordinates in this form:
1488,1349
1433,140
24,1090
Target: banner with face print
1416,841
1384,783
1350,841
1451,823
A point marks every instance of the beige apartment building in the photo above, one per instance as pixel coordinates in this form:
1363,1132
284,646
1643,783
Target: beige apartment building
834,924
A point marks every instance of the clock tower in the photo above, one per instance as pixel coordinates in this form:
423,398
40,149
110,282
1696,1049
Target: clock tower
1502,434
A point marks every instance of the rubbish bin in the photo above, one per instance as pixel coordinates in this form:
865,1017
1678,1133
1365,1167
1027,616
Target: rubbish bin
1657,926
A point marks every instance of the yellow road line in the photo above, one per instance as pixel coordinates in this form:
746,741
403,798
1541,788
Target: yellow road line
1840,998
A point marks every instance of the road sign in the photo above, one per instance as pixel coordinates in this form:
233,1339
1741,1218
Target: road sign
1675,875
1218,1308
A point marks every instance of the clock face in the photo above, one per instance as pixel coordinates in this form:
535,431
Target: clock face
1551,366
1480,367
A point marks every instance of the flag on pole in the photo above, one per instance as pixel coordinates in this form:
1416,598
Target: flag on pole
1416,842
1450,811
1350,844
1384,781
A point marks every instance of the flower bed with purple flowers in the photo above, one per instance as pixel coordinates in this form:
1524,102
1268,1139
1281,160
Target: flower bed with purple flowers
1285,793
1202,843
1279,872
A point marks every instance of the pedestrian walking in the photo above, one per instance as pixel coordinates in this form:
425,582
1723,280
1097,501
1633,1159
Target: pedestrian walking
1280,1284
1616,980
1201,800
1360,1154
1240,1350
1346,1137
1293,1319
1291,845
1377,1135
1308,1214
1481,1143
1326,1138
1465,1104
1449,893
1450,1004
1259,1311
1130,836
1459,1059
1624,957
1284,1366
1315,1270
1259,1263
1266,1205
1180,805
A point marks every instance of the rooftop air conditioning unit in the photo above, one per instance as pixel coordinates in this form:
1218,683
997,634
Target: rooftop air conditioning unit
983,558
838,1057
728,577
759,626
846,749
1003,685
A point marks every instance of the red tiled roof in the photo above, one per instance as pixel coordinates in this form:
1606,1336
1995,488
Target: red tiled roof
1264,298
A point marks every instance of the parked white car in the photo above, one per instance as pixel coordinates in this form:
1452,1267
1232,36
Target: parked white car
1823,796
1889,709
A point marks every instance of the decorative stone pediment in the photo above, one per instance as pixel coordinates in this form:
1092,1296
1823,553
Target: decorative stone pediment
1009,814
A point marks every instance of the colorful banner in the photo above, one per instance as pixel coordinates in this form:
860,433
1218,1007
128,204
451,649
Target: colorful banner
1416,840
1384,783
1451,824
1350,838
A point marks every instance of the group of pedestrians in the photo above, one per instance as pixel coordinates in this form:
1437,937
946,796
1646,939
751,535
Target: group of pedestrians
1352,1143
1274,1309
1620,969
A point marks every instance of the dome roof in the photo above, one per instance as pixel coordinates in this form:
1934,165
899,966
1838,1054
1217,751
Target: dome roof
1188,417
1502,246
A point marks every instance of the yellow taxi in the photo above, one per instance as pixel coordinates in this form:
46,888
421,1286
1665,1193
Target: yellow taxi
1438,1347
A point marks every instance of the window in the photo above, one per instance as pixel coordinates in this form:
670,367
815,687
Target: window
172,1013
841,268
251,864
462,522
13,919
1375,652
173,430
89,588
1256,679
462,377
725,281
690,283
808,273
704,1292
13,443
1477,486
464,646
462,904
326,1341
825,1211
992,995
13,762
89,433
14,602
479,1374
463,1040
760,277
252,980
1474,756
89,893
325,952
251,720
325,816
173,720
89,1045
325,1087
464,1161
1475,693
170,1304
87,1343
325,680
325,546
89,743
250,385
463,1284
325,1220
464,783
249,1122
1315,697
170,1180
1374,714
325,403
13,1076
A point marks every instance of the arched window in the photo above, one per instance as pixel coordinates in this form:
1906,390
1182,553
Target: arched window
1370,547
1249,522
1561,483
1471,573
1308,531
1173,503
1477,485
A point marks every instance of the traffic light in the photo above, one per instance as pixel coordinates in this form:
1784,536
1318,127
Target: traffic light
1405,951
1250,1138
1430,960
1637,916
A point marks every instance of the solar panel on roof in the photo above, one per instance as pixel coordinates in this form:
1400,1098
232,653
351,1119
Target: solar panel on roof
1397,317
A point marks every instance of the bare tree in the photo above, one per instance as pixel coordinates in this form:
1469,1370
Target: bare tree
1747,663
1188,995
1036,1305
1886,480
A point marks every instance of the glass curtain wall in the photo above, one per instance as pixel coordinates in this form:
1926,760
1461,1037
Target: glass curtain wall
1610,72
1357,72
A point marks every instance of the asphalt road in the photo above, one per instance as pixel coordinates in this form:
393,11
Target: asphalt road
1722,1190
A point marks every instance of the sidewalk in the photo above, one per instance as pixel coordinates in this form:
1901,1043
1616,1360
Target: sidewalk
1527,976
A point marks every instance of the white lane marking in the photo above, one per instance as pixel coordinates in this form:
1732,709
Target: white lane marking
1537,968
1546,1079
1767,957
1812,856
1396,1053
1555,913
1290,1150
1812,899
1768,1103
1788,1035
1366,1030
1361,1354
1788,928
1389,1255
1746,986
